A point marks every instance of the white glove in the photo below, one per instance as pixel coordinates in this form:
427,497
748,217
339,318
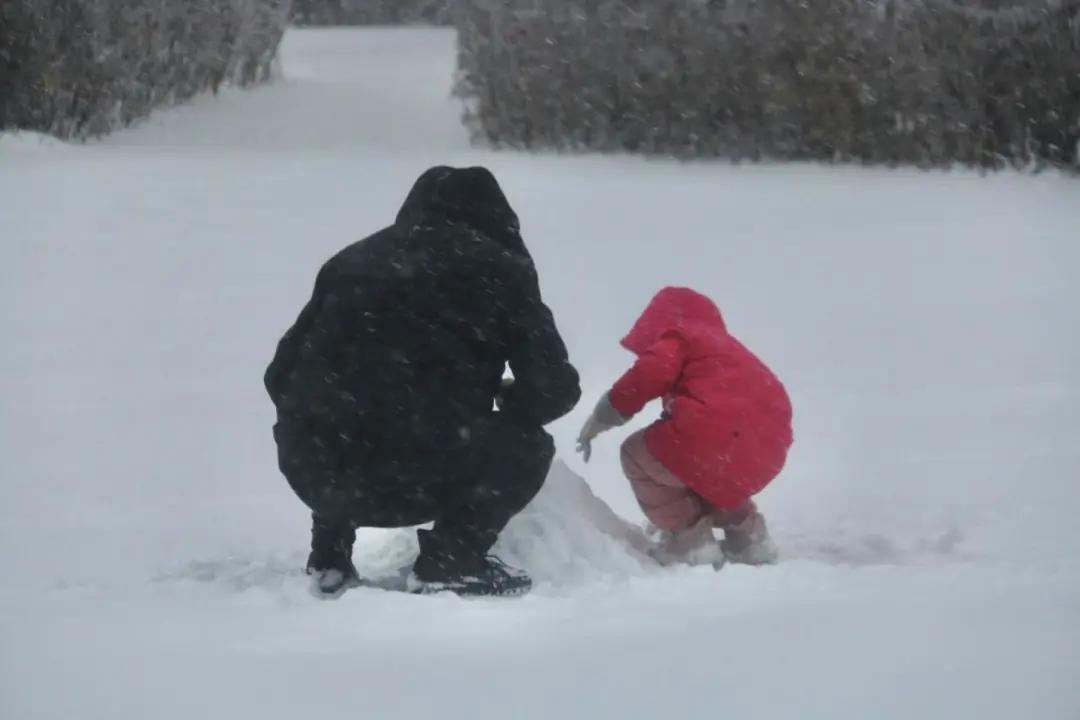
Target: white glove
604,417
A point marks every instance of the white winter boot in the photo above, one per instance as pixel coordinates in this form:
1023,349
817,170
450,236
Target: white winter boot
696,545
748,543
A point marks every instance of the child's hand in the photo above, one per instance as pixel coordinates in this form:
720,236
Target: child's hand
603,418
584,446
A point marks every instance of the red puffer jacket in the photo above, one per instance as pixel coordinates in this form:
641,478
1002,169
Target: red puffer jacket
726,427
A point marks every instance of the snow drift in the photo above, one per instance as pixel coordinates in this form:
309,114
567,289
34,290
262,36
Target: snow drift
566,536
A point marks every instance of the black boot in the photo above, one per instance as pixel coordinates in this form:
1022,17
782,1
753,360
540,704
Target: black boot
330,561
446,566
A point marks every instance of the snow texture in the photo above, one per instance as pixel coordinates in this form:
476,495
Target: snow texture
925,324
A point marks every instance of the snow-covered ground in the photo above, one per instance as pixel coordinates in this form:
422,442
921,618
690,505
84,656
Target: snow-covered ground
925,324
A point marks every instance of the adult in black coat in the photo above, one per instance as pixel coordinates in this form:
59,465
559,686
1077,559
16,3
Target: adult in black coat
387,383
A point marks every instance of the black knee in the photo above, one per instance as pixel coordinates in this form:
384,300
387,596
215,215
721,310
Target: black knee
502,470
534,444
525,458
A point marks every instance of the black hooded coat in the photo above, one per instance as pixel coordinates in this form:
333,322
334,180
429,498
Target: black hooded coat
404,342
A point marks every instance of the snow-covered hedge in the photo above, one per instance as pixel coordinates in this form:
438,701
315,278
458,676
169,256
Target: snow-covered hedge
924,82
75,68
371,12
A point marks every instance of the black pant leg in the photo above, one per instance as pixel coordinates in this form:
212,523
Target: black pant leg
332,541
471,490
368,487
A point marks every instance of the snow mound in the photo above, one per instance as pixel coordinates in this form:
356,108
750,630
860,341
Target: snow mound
566,536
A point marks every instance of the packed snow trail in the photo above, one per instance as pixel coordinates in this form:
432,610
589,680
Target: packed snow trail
923,323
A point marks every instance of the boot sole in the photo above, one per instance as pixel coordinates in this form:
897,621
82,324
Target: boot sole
416,586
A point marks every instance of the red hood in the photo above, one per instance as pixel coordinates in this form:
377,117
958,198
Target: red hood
672,308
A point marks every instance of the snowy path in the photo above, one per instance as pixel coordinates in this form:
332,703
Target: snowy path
924,323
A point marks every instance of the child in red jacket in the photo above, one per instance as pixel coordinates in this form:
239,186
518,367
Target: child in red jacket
723,436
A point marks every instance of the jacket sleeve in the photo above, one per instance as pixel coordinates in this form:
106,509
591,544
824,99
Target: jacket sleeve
653,375
546,385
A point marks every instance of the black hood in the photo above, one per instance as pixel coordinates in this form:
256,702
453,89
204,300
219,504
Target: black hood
464,196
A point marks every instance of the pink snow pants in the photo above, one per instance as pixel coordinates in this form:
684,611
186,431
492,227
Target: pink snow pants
665,500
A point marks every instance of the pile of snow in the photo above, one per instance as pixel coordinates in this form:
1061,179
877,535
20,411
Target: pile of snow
567,536
567,539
